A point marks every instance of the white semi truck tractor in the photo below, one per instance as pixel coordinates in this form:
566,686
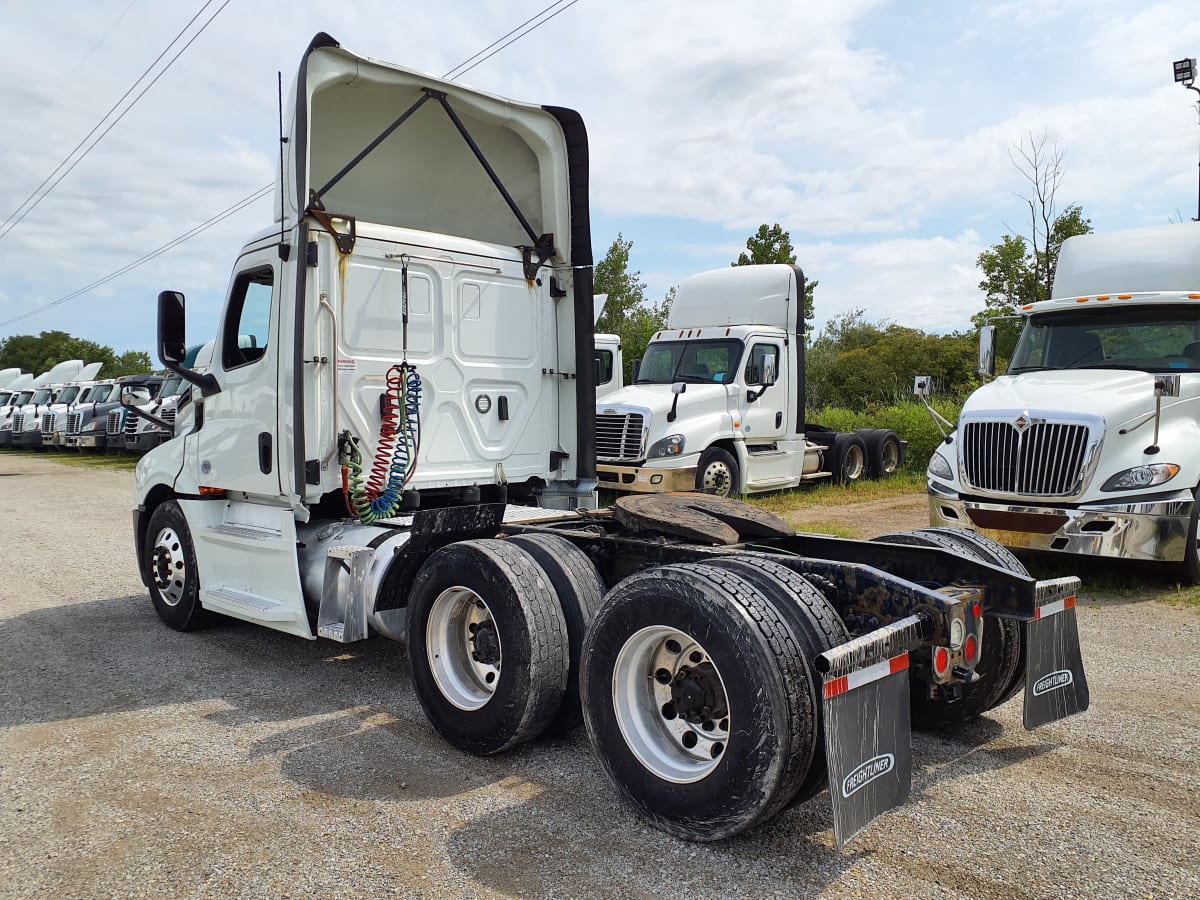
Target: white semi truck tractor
1088,444
405,448
717,402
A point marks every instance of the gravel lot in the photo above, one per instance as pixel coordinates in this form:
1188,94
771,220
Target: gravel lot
239,761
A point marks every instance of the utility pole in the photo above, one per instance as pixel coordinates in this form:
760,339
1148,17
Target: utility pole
1185,74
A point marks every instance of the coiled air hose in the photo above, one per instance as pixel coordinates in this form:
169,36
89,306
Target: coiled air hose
395,463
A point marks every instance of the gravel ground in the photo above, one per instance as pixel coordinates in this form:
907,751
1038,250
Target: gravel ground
136,761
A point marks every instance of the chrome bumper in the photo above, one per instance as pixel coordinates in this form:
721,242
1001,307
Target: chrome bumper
1151,530
645,480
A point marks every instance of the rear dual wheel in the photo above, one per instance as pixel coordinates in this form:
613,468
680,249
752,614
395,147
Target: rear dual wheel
699,699
495,629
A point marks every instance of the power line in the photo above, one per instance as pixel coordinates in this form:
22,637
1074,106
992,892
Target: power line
142,260
452,72
263,191
518,37
59,173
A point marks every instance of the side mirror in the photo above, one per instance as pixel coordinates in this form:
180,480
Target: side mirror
987,351
921,386
597,370
1166,385
637,367
172,333
679,387
172,343
134,396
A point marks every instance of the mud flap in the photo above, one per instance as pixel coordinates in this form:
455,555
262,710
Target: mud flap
1055,684
868,732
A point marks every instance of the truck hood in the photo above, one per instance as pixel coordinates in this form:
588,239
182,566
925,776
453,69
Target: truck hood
424,174
657,398
1115,395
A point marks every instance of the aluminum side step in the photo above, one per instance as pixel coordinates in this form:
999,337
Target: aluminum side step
242,604
343,613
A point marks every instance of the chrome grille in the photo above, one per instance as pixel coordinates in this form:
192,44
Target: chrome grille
74,423
1045,460
131,424
114,421
48,422
18,423
168,415
619,436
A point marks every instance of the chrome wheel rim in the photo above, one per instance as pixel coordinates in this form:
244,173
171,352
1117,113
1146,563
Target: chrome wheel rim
462,645
853,466
670,704
169,566
717,479
890,458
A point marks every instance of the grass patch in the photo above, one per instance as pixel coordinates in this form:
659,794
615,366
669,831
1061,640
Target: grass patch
829,528
80,460
902,484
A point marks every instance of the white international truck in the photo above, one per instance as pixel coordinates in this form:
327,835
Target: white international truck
717,401
405,448
1088,444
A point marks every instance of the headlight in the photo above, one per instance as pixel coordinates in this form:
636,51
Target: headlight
7,426
939,467
91,426
1141,477
671,445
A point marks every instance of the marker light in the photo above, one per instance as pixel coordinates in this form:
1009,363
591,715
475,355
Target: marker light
971,650
941,661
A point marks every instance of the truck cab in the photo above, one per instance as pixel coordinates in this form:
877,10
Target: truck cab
1087,444
717,401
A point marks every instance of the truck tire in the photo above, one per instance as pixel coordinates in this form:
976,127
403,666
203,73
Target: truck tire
1189,569
171,572
847,458
1001,667
487,645
818,628
883,452
717,473
580,591
697,700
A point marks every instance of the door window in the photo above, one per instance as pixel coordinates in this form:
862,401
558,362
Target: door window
604,362
754,362
248,318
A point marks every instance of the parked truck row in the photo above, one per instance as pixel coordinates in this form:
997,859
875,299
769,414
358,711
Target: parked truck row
397,435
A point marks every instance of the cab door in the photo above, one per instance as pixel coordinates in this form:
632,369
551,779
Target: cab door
237,443
764,419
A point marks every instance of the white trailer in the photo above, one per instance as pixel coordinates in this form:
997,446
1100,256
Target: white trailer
422,318
1087,444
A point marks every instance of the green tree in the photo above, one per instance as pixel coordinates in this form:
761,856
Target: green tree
627,312
771,244
38,353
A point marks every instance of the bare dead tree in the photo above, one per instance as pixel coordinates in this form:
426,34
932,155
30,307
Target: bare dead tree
1041,163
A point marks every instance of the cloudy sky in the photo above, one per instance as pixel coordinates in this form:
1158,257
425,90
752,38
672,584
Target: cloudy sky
878,133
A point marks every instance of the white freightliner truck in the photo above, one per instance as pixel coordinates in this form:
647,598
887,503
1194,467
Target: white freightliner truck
717,401
1088,443
610,362
419,314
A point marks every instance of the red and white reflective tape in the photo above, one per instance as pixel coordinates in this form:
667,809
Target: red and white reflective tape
1053,609
839,686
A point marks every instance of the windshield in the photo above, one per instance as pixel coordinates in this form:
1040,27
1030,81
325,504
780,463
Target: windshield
68,394
692,361
171,387
23,398
41,396
5,396
1145,338
100,393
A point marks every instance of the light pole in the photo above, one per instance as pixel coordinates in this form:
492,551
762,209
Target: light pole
1185,74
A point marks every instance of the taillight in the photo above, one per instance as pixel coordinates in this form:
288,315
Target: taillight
941,661
971,650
